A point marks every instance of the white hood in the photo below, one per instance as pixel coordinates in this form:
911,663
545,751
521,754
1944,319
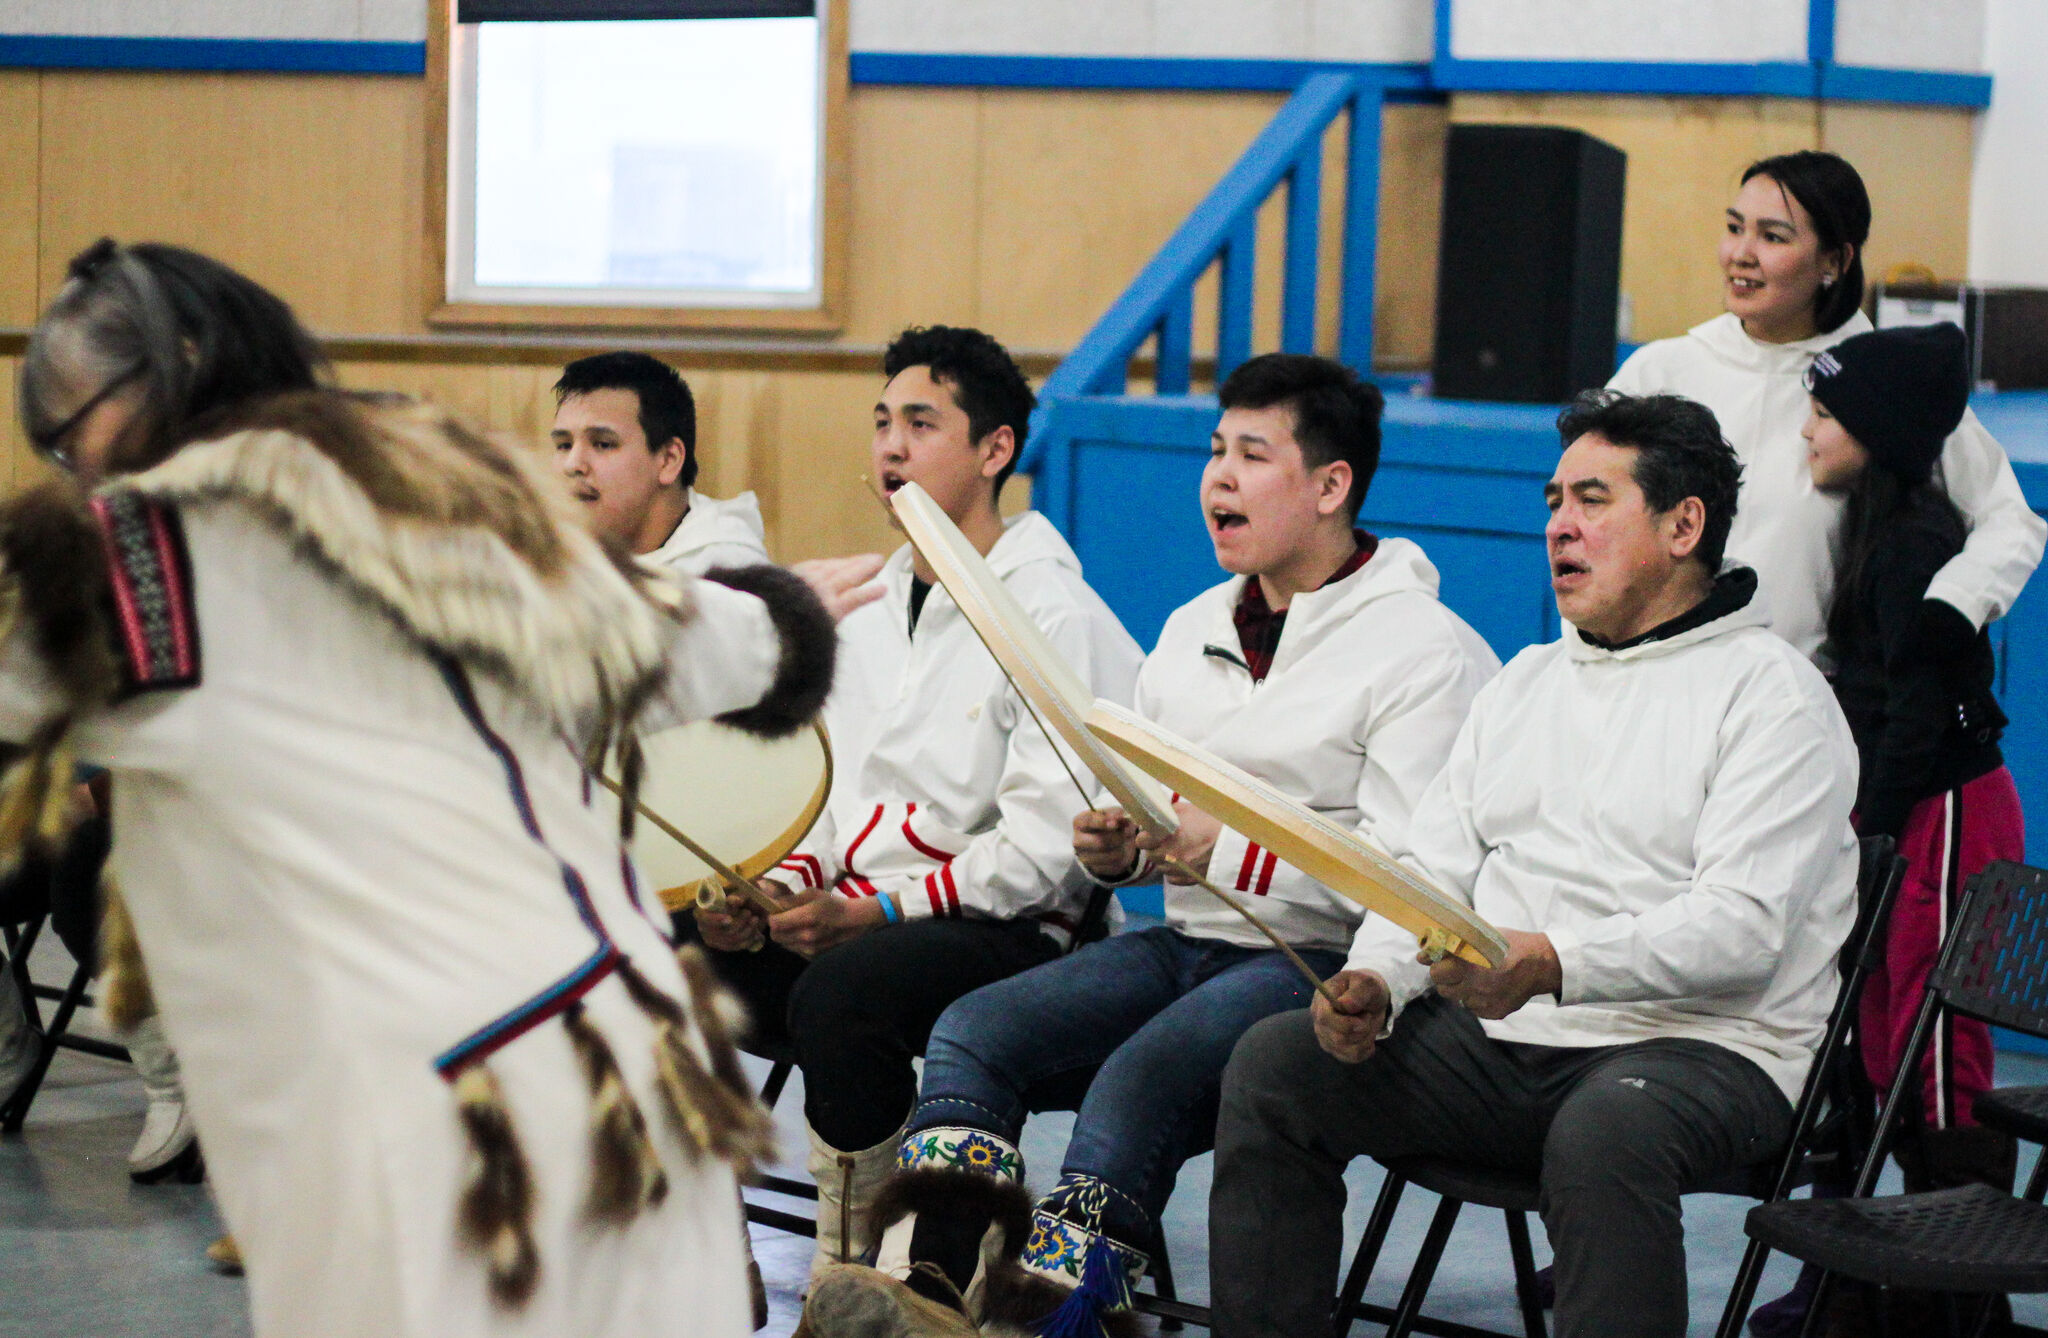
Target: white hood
1028,539
1368,686
1727,339
714,533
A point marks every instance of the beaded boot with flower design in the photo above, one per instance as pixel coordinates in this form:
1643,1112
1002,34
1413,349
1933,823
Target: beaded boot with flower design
1076,1279
956,1206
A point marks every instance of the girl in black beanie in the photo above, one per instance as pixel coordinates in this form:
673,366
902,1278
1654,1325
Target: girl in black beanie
1914,679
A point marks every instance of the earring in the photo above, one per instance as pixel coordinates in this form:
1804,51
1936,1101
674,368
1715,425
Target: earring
1827,281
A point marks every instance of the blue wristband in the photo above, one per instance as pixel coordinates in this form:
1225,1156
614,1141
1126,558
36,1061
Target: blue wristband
891,913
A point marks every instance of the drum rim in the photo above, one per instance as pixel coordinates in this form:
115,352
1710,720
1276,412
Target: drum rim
683,896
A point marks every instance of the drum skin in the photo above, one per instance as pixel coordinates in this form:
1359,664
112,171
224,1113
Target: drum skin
745,799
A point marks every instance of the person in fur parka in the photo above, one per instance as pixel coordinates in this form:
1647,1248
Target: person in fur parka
350,662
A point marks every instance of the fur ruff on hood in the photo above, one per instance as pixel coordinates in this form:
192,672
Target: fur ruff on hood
461,541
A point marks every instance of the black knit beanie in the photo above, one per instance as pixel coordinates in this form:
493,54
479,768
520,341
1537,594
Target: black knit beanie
1899,392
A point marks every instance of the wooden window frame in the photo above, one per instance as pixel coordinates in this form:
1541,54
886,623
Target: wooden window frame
828,317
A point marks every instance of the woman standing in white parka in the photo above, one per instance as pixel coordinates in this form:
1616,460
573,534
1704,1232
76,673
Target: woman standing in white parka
347,660
1791,261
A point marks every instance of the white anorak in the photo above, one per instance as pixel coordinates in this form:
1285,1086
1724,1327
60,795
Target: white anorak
1787,530
337,874
946,792
1368,686
713,533
1675,817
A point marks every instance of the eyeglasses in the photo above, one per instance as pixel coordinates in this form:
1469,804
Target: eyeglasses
49,442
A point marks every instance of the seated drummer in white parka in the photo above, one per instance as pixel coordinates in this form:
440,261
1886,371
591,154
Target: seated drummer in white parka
1654,812
1324,665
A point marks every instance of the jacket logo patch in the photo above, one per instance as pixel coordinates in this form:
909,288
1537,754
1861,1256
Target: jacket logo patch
151,577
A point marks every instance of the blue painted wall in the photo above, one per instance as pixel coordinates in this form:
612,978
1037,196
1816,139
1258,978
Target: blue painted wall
1465,481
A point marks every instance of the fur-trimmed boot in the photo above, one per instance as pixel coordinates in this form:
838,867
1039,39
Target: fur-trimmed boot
854,1301
1074,1280
954,1214
847,1185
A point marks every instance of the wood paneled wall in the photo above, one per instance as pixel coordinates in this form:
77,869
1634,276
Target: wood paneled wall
1023,211
1686,155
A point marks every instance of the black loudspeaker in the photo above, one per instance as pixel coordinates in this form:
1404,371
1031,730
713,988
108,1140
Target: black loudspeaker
1529,273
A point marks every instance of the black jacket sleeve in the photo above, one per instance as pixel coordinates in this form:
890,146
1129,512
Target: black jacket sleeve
1923,642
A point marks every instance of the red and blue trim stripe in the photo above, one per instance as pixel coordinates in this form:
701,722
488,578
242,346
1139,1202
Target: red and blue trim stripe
503,1030
151,575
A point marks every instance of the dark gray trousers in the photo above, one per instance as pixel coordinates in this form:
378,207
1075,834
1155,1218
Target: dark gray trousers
1616,1134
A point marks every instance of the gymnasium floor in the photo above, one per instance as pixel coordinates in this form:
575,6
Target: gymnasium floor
86,1254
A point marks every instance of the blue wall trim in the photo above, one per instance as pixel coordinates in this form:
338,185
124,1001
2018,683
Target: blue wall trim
212,53
1792,79
1938,88
1404,82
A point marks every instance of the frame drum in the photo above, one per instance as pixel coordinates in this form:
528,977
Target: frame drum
746,799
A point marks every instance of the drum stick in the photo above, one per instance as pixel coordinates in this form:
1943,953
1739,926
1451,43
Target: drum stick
1178,866
748,893
1187,870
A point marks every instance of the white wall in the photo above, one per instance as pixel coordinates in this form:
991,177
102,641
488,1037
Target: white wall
1362,30
2009,188
1736,31
332,20
1911,34
1907,34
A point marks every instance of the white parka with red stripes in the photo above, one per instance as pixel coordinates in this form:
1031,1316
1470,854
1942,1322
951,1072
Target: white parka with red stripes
1372,678
946,792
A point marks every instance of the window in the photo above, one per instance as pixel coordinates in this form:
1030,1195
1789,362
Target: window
663,163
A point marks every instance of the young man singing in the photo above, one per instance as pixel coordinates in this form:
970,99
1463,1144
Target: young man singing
1654,811
942,862
625,434
1324,664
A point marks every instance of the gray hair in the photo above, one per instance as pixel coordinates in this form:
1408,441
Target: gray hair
194,334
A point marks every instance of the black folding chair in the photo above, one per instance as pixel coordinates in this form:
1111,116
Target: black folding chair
21,941
1973,1240
1827,1130
56,891
782,1058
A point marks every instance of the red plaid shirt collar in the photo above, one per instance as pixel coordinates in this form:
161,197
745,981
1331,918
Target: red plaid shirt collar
1259,626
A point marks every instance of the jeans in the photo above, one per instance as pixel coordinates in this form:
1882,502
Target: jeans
1133,1032
1615,1134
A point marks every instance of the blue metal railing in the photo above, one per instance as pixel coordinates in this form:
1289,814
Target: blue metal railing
1223,232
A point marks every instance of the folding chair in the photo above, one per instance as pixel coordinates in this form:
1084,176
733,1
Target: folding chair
783,1059
21,941
1974,1240
1825,1125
